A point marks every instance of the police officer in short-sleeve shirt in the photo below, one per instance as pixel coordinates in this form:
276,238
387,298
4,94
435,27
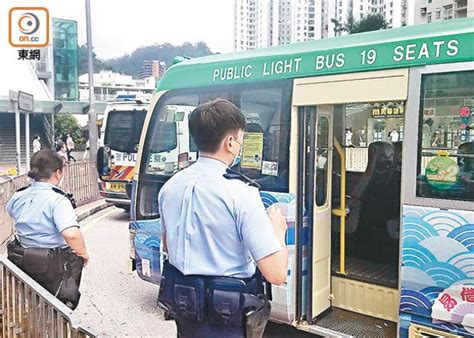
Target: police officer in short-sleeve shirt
214,225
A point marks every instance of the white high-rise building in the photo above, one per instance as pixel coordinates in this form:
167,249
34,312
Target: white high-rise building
426,11
245,18
263,23
301,20
394,11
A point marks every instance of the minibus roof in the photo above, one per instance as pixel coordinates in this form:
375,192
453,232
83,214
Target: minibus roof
444,41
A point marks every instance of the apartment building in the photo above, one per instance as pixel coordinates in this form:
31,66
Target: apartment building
426,11
263,23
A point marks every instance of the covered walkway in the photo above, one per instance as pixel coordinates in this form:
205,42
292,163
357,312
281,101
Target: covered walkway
18,75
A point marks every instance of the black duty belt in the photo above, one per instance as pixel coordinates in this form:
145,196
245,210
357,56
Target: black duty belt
218,300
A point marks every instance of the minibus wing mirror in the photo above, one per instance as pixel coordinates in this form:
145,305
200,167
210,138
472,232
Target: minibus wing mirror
102,163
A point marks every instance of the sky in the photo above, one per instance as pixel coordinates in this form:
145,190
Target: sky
121,26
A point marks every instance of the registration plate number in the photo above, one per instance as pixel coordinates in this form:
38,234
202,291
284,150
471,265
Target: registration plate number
118,187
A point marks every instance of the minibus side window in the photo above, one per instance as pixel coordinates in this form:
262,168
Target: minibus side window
167,141
265,149
446,137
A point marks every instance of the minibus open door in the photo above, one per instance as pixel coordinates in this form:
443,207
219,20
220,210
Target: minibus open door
313,214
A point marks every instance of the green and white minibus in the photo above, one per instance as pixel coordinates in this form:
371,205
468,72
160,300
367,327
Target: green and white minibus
366,142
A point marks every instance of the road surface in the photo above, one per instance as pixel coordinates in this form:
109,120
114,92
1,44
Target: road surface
116,302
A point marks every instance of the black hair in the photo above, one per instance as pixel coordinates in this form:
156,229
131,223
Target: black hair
44,163
211,121
59,145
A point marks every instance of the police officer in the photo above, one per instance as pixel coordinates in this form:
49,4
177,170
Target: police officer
48,243
215,228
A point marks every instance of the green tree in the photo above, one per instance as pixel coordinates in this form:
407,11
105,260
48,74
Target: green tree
338,27
350,24
371,22
83,62
67,124
132,64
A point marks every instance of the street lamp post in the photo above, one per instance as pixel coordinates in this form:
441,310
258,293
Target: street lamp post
14,103
92,113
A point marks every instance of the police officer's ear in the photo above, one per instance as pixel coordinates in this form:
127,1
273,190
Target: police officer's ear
227,142
58,174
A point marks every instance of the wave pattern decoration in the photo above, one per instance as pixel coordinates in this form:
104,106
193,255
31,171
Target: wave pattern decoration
416,230
411,300
269,198
417,256
464,235
437,256
444,222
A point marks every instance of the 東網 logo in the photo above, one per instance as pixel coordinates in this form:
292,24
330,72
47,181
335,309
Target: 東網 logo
29,27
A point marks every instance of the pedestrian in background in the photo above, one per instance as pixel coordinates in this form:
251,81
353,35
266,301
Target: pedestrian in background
70,147
213,222
61,150
36,144
48,244
86,155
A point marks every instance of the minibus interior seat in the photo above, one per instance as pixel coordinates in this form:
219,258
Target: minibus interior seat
466,164
370,185
394,187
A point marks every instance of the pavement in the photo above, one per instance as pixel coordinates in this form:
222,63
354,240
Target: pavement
115,302
91,208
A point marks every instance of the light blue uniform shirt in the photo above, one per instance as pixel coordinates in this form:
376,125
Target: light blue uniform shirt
41,215
214,226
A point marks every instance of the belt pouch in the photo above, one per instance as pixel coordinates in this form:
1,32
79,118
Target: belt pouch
15,252
68,292
226,301
189,297
180,295
37,262
167,282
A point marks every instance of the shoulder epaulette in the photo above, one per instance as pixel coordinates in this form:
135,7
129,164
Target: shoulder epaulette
67,195
235,175
24,188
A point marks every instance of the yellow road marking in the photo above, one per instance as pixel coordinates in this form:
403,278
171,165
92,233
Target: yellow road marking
87,226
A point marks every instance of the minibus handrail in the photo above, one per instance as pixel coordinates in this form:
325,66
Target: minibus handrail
341,212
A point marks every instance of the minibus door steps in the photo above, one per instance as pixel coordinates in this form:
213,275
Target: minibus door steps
353,324
367,271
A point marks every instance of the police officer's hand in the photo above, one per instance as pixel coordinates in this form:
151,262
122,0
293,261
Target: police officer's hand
85,257
279,223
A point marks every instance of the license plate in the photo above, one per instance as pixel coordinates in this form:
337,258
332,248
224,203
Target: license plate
119,187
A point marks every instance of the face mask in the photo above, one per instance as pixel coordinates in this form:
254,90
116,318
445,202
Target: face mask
237,158
236,161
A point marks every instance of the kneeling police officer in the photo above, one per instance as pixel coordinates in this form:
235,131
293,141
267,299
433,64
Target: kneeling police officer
214,229
48,244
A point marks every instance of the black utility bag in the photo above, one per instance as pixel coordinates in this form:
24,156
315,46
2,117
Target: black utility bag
57,270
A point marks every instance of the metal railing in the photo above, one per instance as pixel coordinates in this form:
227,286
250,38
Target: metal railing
28,310
7,189
80,178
